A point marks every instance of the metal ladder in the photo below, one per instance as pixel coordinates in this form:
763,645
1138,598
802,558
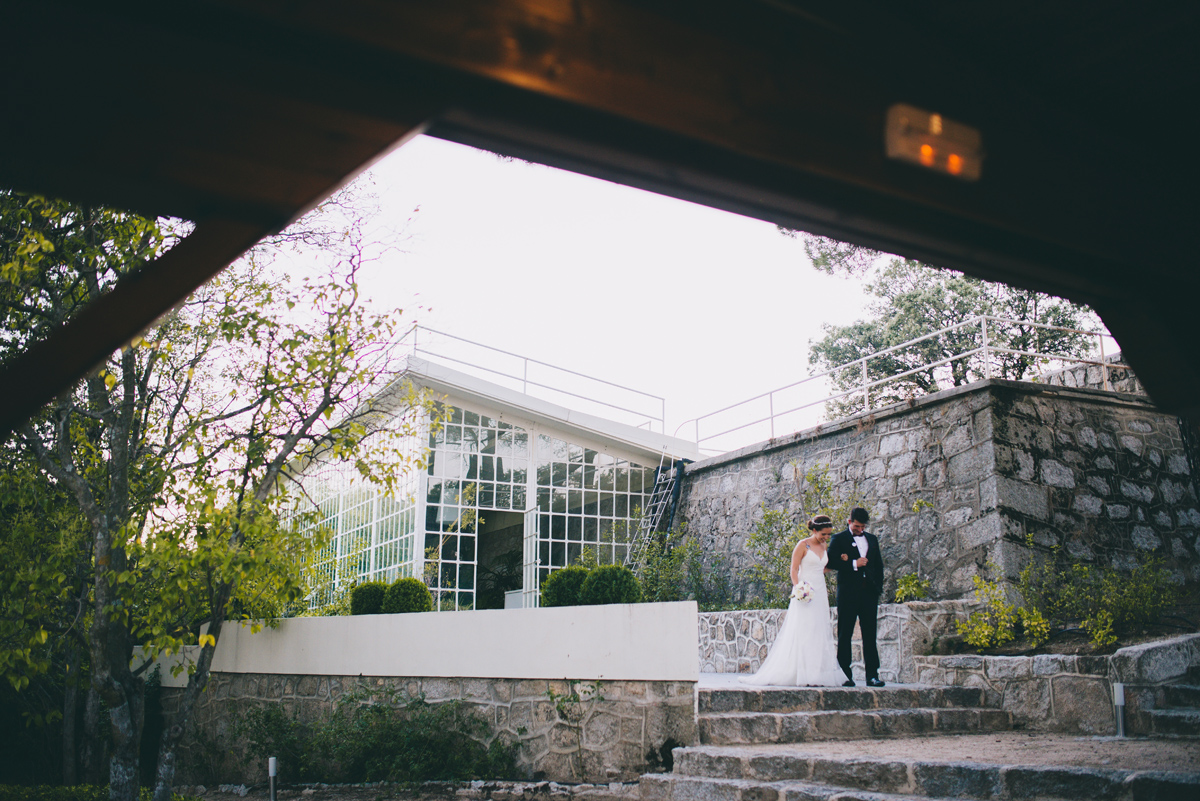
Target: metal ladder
661,507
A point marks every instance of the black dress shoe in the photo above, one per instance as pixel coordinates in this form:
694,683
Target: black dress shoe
848,683
874,683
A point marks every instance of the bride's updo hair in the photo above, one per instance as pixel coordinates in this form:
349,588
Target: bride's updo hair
820,522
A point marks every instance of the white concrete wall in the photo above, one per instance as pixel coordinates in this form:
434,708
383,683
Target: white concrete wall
649,642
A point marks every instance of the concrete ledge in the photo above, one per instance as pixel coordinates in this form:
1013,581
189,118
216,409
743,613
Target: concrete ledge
646,642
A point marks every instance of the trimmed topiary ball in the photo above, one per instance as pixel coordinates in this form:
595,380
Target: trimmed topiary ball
367,599
611,584
561,587
407,595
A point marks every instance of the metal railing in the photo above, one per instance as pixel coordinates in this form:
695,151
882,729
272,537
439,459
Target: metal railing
538,378
780,403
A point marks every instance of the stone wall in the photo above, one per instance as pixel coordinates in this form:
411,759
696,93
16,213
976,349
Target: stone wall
625,729
739,641
1070,693
1104,475
1091,376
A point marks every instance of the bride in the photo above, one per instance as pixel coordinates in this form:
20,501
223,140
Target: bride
803,653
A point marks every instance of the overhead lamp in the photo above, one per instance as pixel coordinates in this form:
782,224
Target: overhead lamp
929,140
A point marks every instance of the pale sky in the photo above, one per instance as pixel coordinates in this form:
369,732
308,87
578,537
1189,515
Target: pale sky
699,306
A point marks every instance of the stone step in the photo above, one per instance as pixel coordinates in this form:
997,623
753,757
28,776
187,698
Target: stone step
816,699
1184,722
748,728
1181,695
705,774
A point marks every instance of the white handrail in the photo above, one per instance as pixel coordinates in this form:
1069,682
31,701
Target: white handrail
650,419
988,347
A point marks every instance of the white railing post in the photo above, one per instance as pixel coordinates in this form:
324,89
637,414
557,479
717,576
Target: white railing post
1103,365
866,387
771,411
987,351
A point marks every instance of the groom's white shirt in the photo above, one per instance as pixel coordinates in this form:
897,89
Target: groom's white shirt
860,542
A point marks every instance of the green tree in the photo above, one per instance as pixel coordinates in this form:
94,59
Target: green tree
914,300
177,452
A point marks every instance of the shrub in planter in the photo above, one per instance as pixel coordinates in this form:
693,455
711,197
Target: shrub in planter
407,595
367,599
610,584
562,586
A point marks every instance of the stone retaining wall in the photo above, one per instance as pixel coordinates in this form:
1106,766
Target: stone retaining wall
1091,376
1069,693
627,729
1105,476
739,641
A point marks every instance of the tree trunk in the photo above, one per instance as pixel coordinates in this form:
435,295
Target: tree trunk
164,773
126,717
93,747
70,713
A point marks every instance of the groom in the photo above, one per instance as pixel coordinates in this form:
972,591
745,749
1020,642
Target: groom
854,553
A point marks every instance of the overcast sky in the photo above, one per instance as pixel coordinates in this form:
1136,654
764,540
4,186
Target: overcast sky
701,307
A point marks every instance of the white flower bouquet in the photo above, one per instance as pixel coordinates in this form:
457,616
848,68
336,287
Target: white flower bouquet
803,592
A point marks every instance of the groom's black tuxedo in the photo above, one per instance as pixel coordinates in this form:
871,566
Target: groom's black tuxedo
857,598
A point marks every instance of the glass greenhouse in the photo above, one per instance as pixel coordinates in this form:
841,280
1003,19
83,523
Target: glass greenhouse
513,488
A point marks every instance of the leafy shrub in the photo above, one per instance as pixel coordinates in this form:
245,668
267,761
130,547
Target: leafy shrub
81,792
994,624
382,736
407,595
1104,601
911,587
269,730
562,586
610,584
367,599
412,741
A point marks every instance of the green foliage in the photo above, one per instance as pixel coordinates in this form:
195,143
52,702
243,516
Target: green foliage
494,580
610,584
380,736
995,624
771,544
775,535
562,586
169,460
407,595
916,299
911,587
81,792
367,598
1035,625
269,730
665,566
1104,601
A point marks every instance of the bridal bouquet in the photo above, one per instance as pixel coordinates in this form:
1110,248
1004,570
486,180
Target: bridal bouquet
803,592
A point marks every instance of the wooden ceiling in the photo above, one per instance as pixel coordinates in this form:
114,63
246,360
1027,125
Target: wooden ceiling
243,114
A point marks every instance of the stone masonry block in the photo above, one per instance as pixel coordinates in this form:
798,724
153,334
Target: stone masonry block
1028,499
1057,474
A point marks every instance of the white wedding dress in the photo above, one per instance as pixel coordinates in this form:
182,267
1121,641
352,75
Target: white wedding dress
803,653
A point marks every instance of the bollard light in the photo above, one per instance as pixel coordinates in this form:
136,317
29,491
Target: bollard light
272,771
1119,706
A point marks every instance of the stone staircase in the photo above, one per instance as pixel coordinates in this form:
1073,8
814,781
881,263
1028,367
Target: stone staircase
753,749
1176,711
737,716
723,773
